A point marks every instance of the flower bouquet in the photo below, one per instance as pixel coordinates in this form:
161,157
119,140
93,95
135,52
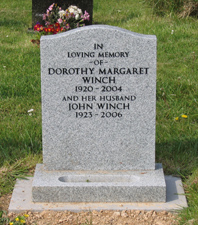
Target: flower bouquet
58,20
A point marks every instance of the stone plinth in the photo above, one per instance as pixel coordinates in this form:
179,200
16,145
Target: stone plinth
103,186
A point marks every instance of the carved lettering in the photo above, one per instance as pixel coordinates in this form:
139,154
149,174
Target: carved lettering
101,80
113,54
113,106
124,71
99,87
70,71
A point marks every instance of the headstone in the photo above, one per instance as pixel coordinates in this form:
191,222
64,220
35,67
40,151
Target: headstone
98,118
39,7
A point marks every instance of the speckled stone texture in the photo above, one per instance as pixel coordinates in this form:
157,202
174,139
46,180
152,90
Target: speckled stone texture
103,186
119,136
98,88
39,7
22,200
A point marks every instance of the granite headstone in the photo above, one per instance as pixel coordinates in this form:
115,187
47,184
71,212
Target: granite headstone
40,7
98,118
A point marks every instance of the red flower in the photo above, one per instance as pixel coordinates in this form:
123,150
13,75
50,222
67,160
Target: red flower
41,28
57,25
51,26
58,29
37,26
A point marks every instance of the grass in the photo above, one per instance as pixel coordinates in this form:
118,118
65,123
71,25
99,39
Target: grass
189,215
20,134
19,220
183,8
177,90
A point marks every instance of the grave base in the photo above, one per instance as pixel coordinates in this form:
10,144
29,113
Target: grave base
98,186
22,200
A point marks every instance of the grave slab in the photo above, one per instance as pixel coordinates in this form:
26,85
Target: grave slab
98,99
21,200
98,86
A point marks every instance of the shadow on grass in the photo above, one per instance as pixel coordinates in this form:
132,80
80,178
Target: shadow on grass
178,157
5,22
11,152
22,139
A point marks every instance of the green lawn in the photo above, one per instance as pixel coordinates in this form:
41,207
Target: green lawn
177,90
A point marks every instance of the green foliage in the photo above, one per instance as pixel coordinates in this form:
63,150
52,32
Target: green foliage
182,7
4,220
161,7
190,215
18,169
19,220
53,16
20,134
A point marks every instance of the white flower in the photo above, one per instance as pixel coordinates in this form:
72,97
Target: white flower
31,110
76,11
172,31
72,8
79,11
77,16
62,13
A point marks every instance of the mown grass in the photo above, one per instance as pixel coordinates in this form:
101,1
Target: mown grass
190,214
20,134
177,89
183,8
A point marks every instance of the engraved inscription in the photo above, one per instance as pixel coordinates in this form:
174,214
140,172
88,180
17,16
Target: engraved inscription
99,92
